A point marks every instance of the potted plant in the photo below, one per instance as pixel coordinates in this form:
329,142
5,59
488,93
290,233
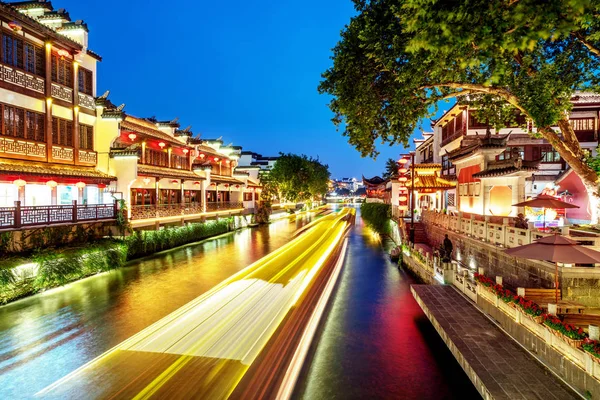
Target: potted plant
593,348
530,309
569,333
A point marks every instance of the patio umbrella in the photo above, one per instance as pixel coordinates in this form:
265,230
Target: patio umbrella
544,201
557,249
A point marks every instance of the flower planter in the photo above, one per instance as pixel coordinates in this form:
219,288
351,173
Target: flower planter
575,343
594,358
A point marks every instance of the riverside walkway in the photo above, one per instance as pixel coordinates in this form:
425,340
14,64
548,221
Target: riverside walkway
498,367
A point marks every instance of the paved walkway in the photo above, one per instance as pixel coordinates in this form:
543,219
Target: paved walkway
496,364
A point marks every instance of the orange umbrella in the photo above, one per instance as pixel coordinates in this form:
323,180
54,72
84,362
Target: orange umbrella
557,249
544,201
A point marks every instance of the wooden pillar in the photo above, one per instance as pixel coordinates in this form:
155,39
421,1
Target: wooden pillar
75,81
48,94
143,152
170,155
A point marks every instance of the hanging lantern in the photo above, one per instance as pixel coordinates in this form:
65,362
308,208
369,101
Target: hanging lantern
174,181
237,186
403,170
162,145
19,183
216,159
202,155
197,183
51,184
80,185
403,179
185,151
15,26
63,53
403,161
403,198
132,136
146,180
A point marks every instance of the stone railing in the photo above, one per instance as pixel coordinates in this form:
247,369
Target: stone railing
496,233
27,216
226,205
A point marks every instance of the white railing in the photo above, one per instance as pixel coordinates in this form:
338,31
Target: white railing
496,232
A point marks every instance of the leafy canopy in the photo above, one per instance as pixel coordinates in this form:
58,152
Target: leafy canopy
398,58
391,169
297,178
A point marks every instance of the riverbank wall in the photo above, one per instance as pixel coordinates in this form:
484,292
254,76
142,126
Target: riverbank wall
25,276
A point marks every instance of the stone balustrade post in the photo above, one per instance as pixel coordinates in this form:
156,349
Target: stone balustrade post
481,271
459,222
498,280
594,332
521,291
552,309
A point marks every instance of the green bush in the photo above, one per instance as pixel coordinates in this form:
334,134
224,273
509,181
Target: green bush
143,243
377,216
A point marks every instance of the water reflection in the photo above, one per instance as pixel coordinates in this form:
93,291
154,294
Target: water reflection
45,337
375,342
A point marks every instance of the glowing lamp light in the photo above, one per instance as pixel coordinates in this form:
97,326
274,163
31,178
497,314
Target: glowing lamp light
63,53
197,183
202,155
228,162
19,183
216,158
51,184
146,181
162,145
403,161
132,136
185,151
403,198
403,179
80,185
403,170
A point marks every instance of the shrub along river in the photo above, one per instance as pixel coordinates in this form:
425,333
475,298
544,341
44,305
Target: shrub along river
375,342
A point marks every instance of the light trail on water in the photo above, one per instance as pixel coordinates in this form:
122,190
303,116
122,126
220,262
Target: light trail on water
204,348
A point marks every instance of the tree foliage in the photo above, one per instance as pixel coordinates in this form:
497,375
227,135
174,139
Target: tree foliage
296,178
398,58
391,169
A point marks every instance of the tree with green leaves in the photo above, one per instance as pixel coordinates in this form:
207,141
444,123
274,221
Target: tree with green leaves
296,178
398,58
391,169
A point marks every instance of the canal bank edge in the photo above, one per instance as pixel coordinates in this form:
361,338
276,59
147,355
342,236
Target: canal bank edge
48,270
500,367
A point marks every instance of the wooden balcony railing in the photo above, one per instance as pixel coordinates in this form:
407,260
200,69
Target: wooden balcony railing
29,216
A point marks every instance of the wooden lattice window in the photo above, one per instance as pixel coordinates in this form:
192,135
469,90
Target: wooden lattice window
62,132
86,81
62,70
86,137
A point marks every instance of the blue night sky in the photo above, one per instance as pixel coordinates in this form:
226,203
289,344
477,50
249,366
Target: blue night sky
236,69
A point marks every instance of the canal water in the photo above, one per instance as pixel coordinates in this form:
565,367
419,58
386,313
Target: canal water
45,337
375,342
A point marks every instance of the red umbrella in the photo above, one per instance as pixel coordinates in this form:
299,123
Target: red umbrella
544,201
557,249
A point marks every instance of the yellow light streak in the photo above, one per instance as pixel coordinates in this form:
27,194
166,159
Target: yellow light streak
230,323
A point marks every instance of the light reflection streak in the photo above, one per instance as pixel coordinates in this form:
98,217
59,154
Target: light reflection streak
231,322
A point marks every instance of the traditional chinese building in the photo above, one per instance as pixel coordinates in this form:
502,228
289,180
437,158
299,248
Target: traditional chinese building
48,154
495,168
377,190
165,174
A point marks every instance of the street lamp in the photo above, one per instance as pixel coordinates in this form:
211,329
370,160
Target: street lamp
403,161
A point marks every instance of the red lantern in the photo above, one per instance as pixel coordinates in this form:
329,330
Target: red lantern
403,170
202,155
132,136
403,198
63,53
403,179
174,181
161,145
15,26
216,159
185,151
403,161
